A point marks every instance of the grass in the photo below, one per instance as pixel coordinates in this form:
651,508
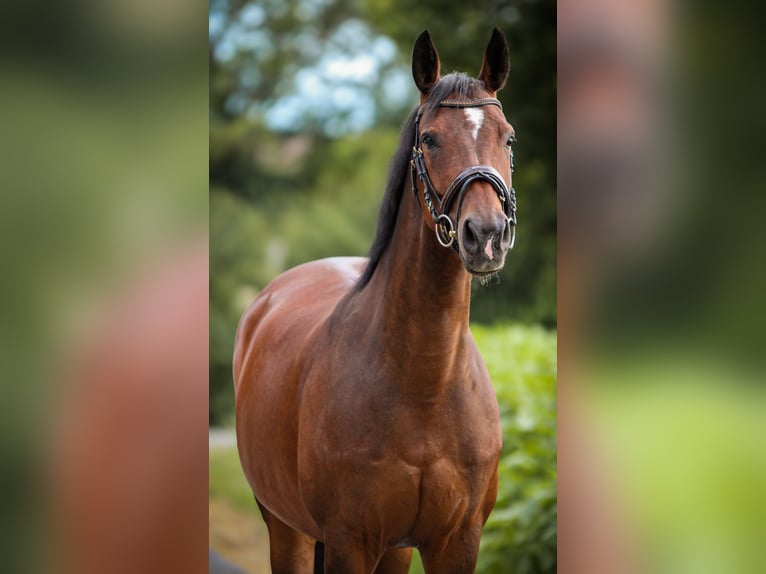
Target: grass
227,482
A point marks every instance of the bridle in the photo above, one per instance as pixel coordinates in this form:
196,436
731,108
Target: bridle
443,225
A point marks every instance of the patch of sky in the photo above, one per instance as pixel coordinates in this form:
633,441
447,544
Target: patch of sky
357,69
306,43
252,15
215,24
236,104
384,49
397,88
225,50
352,35
338,109
239,38
338,90
340,79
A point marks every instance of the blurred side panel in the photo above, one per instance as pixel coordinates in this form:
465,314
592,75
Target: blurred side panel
661,282
103,237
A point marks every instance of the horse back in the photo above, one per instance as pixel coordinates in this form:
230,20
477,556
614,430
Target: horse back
289,309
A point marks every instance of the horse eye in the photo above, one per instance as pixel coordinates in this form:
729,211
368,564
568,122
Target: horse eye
428,141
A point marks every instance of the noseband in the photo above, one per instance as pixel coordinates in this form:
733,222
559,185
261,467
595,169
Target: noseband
444,226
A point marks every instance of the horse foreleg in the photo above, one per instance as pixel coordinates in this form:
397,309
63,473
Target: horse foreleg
395,561
345,559
456,556
291,552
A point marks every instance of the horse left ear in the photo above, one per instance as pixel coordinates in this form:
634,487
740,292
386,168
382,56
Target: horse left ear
425,63
494,69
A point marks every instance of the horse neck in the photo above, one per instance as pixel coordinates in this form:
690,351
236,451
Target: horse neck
420,295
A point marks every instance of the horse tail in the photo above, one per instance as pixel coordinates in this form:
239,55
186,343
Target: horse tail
319,558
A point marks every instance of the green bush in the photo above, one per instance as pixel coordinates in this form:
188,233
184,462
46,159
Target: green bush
520,535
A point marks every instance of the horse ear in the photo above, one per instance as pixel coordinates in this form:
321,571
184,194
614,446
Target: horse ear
494,69
425,63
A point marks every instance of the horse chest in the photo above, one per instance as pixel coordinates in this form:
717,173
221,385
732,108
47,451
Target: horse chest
454,481
380,456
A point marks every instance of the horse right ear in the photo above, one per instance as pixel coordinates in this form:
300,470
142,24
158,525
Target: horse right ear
425,63
494,68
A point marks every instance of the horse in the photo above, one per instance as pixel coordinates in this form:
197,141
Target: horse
367,424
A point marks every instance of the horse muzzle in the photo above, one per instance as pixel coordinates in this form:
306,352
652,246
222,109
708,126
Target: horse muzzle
484,242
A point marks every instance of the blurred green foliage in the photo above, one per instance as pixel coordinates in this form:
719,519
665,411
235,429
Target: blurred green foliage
687,480
520,535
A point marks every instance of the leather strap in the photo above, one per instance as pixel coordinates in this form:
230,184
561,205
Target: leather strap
471,103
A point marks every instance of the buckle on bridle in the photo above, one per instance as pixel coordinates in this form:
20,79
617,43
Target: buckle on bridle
445,234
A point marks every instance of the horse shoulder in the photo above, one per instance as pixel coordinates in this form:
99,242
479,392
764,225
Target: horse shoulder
477,439
294,303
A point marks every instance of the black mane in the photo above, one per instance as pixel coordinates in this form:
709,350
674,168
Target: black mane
461,86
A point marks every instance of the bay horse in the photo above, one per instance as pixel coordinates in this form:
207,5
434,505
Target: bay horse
367,423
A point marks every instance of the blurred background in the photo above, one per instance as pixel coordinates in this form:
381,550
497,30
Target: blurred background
662,411
103,242
107,114
307,99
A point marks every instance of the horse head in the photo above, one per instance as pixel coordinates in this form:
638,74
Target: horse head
462,158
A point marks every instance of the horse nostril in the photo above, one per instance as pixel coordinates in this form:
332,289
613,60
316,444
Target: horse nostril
470,238
506,238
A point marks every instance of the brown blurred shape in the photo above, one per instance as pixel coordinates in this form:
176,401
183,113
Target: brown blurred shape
608,140
130,470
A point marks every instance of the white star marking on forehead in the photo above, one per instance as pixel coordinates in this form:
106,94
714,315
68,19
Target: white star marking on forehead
476,117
